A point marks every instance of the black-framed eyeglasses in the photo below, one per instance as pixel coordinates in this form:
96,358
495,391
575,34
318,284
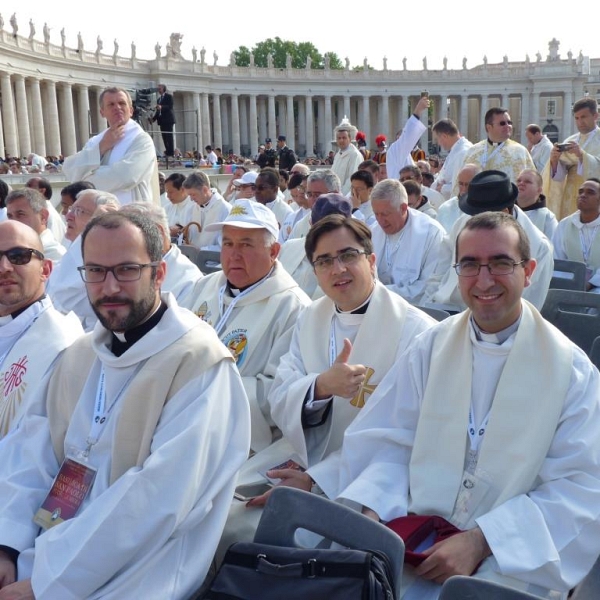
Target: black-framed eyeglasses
123,273
499,266
20,256
346,258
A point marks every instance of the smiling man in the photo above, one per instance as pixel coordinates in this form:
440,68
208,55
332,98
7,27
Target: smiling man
122,441
121,159
253,304
470,385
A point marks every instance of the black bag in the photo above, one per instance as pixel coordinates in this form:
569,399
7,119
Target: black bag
252,571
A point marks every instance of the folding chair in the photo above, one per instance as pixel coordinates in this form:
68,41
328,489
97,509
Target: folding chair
289,509
588,588
208,261
460,587
576,314
191,252
595,357
436,313
568,275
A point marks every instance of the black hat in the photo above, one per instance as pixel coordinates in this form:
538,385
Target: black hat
281,138
268,141
489,190
330,204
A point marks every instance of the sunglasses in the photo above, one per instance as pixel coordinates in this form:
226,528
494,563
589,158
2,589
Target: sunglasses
503,123
20,256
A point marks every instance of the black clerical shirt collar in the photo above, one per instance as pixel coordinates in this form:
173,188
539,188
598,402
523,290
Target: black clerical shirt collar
539,203
131,336
15,314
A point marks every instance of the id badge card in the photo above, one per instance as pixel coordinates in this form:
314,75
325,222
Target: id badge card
69,489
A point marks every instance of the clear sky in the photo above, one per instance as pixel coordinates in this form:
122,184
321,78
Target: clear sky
385,28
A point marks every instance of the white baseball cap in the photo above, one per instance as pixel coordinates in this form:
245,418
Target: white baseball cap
248,178
248,214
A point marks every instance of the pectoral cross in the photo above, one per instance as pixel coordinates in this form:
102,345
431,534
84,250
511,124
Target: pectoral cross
365,388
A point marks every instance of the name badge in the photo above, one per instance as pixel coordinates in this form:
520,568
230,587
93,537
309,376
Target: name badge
69,489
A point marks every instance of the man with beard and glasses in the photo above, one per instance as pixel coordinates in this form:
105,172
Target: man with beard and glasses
146,417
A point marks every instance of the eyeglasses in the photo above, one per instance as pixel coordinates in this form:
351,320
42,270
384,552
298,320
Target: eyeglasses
500,266
20,256
503,123
78,211
314,194
346,258
123,273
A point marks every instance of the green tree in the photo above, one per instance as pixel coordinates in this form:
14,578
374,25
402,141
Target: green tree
279,49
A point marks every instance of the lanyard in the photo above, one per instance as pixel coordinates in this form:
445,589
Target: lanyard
100,411
223,318
390,252
587,236
485,158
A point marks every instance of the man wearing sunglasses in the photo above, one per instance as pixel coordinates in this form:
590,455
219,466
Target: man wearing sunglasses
143,425
32,332
490,420
498,151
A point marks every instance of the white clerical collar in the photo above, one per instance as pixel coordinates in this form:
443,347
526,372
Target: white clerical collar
497,338
356,315
594,223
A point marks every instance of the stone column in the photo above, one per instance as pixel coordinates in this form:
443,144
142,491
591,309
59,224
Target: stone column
187,123
8,116
302,126
83,106
506,102
198,127
253,125
98,121
464,114
262,118
235,123
526,113
442,111
310,126
384,119
535,109
51,121
321,142
272,125
225,128
281,116
567,122
365,121
290,131
217,129
67,120
244,138
483,108
2,151
328,126
206,136
37,117
22,116
346,108
402,112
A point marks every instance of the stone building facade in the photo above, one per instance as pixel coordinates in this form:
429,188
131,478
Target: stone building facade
49,96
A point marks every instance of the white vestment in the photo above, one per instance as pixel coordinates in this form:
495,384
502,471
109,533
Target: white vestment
56,223
448,213
543,218
448,294
509,157
181,213
129,170
301,228
398,154
574,240
366,209
540,153
445,180
29,346
346,164
52,249
257,332
410,261
435,198
427,209
215,211
561,188
150,529
182,274
541,520
281,210
293,259
289,223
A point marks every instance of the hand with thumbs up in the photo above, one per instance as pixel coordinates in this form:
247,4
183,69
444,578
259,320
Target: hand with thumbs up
341,379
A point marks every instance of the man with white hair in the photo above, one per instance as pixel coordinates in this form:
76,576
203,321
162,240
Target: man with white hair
253,304
182,273
348,157
122,158
410,247
65,287
29,207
